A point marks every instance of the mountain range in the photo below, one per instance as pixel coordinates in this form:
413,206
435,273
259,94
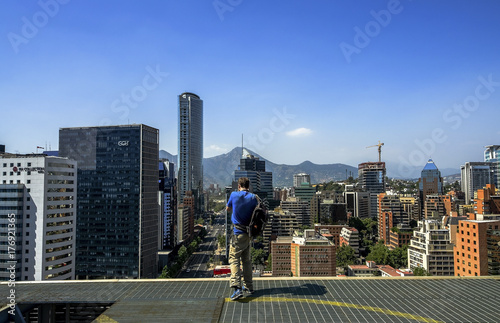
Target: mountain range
220,169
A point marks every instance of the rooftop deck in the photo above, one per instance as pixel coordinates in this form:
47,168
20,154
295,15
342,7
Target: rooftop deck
417,299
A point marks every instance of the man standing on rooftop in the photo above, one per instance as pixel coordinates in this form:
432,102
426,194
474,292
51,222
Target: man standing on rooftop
242,204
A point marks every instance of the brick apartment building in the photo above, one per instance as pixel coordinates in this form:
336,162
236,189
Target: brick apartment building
307,256
487,201
280,255
474,251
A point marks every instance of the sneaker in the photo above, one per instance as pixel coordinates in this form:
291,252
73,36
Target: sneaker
248,291
238,293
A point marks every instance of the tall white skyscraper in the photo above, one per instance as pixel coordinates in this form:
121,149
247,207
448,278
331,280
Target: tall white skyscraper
190,160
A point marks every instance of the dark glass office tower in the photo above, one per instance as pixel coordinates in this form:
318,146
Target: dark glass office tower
190,174
117,215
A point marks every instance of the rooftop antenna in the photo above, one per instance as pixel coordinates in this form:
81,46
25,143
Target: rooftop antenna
242,146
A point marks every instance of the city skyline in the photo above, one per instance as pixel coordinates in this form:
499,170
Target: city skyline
323,81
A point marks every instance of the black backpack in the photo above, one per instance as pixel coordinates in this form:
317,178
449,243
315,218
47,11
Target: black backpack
257,222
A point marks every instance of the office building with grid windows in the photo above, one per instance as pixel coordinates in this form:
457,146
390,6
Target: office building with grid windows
38,209
118,210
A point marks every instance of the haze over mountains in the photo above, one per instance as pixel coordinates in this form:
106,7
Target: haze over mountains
220,169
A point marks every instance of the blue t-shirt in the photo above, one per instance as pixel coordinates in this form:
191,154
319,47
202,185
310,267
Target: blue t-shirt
243,203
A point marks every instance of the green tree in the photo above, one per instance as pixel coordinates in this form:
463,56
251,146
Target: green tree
345,256
269,266
398,257
222,240
219,207
357,223
420,271
371,225
379,253
192,247
258,256
164,272
183,254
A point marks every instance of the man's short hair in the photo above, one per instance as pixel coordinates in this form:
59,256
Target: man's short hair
244,182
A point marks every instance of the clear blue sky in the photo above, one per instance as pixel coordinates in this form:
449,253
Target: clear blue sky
302,80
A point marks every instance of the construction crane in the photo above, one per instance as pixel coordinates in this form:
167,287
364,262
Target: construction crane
380,144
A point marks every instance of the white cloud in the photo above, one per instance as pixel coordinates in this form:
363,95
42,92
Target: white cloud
299,132
214,150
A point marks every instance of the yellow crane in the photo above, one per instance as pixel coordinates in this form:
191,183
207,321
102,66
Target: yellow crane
380,144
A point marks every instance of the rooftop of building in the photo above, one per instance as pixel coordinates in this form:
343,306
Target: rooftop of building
410,299
430,165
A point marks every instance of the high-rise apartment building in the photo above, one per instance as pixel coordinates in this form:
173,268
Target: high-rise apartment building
393,210
190,150
437,206
492,155
487,201
476,175
118,207
298,179
430,248
38,207
472,250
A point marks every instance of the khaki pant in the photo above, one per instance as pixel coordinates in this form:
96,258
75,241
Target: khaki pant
239,253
